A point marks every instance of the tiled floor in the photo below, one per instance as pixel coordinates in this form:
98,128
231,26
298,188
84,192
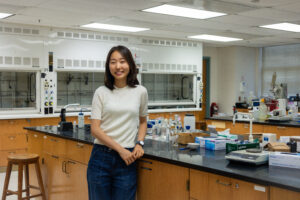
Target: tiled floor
13,184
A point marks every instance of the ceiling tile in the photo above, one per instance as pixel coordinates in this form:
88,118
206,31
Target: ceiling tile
242,20
294,7
268,13
262,3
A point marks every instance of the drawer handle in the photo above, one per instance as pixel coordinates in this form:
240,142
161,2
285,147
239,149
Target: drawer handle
45,137
222,183
53,140
72,162
146,168
12,137
146,161
53,156
80,145
35,135
11,152
281,127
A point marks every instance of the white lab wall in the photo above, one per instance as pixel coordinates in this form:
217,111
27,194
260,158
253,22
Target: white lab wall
228,65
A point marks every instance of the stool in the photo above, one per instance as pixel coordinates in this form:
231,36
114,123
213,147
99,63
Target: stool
23,160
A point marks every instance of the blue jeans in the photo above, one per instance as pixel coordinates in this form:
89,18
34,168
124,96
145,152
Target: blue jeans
108,177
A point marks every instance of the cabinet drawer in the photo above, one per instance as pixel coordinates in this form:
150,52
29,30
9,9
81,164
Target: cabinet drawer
4,154
54,145
13,126
79,151
13,141
282,130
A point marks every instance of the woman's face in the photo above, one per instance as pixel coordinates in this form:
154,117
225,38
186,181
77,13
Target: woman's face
118,66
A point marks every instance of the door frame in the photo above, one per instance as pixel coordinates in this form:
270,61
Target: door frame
207,86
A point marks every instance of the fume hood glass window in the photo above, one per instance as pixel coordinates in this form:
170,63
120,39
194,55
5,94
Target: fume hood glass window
17,90
77,87
168,88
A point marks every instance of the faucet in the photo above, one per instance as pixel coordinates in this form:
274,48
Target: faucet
251,118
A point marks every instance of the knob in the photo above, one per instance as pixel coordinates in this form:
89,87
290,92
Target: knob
46,104
50,103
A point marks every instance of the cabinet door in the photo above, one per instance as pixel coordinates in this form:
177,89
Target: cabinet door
173,182
55,177
249,191
162,181
198,185
148,180
35,142
76,186
280,194
219,187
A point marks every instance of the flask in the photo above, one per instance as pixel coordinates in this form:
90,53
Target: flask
80,119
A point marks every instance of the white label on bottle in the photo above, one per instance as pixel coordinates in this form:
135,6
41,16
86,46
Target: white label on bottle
259,188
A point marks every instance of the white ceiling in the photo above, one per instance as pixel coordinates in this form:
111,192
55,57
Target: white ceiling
243,19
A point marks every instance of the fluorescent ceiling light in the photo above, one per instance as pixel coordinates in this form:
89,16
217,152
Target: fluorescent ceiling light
214,38
183,12
4,15
283,27
114,27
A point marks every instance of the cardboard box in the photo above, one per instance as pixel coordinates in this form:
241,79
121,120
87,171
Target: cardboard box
184,138
278,146
291,160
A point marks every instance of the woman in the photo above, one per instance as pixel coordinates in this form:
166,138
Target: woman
118,108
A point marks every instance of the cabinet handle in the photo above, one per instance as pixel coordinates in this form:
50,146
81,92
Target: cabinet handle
53,140
63,166
237,185
53,156
146,161
45,137
222,183
11,152
281,127
246,126
12,137
72,162
80,145
188,185
146,168
35,135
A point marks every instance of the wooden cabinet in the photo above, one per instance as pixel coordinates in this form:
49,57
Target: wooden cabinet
78,151
282,130
76,182
198,185
244,127
280,194
208,186
54,145
162,181
249,191
219,187
55,178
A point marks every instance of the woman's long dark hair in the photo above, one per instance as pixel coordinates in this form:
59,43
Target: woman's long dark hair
131,77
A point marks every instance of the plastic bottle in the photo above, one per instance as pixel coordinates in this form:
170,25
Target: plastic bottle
80,119
263,110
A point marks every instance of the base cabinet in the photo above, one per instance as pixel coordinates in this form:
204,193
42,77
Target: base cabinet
207,186
280,194
162,181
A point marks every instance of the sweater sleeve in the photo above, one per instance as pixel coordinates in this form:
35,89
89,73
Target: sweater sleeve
97,106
